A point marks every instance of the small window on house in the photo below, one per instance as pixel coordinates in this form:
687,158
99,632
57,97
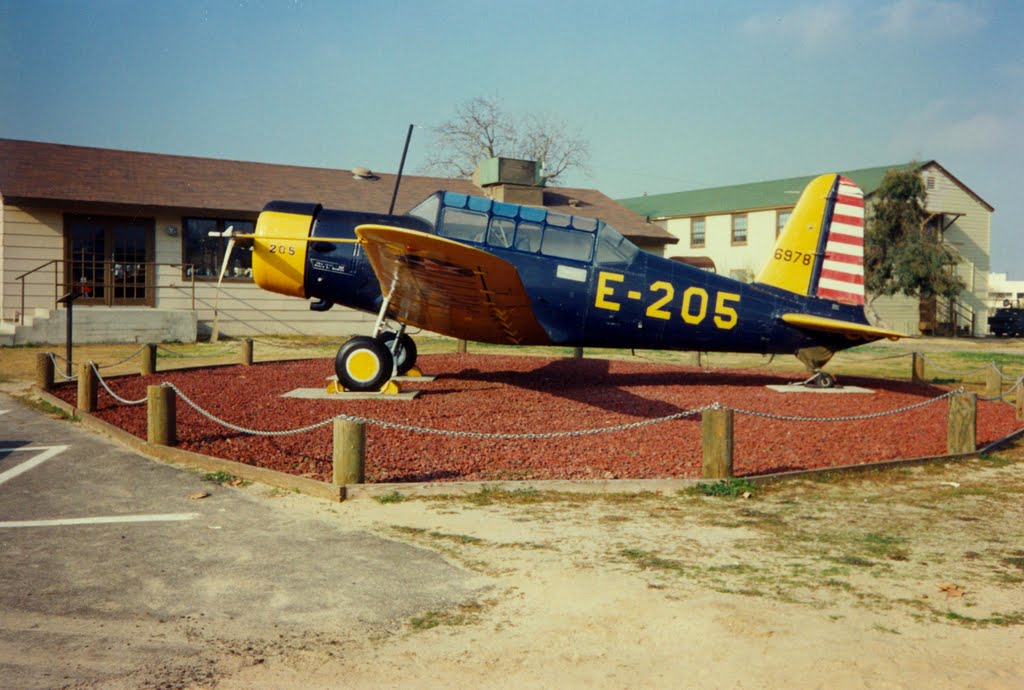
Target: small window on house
202,255
459,224
697,232
781,218
739,229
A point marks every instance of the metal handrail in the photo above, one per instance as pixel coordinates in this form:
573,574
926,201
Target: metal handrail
60,285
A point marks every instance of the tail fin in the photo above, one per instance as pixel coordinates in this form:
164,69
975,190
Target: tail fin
820,252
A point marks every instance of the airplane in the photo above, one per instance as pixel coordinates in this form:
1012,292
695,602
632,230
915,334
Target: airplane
477,269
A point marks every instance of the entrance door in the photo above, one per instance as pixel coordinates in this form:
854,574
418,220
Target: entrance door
109,259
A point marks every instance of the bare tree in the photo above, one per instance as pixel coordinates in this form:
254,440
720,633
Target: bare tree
482,129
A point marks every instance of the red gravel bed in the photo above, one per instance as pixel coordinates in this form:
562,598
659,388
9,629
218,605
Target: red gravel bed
484,393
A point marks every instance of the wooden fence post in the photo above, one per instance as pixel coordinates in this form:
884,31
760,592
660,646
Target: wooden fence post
161,426
993,381
917,368
86,387
698,360
247,352
148,359
961,436
1020,399
44,371
460,346
716,441
349,452
577,353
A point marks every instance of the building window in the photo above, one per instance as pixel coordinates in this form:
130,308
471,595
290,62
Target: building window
781,218
203,254
739,229
697,232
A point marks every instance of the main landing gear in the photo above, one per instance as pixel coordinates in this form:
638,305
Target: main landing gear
366,363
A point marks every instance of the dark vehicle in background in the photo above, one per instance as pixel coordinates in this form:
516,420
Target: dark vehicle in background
1007,322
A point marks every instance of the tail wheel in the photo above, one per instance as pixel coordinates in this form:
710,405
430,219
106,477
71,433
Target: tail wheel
404,354
363,364
823,380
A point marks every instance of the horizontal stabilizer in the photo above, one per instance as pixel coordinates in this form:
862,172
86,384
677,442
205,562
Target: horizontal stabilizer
848,328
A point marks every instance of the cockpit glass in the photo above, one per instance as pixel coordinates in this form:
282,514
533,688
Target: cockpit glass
427,209
613,248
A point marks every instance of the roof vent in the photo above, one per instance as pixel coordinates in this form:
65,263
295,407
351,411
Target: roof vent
362,173
574,202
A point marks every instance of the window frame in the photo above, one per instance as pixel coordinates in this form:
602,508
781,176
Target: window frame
746,229
779,225
222,224
694,243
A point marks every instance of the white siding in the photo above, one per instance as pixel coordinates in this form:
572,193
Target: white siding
31,237
730,260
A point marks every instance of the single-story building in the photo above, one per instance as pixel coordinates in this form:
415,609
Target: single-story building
732,231
131,232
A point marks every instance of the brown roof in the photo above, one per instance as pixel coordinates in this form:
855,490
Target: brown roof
34,172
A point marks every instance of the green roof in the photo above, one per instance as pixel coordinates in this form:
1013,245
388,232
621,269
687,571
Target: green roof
746,197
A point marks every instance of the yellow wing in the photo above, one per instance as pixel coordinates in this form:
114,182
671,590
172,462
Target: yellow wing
450,288
853,330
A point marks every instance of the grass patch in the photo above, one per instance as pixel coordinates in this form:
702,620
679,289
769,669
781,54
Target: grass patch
725,488
1000,619
465,614
51,409
220,477
393,497
650,561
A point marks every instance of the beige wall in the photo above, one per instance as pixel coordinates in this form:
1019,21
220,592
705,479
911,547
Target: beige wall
31,237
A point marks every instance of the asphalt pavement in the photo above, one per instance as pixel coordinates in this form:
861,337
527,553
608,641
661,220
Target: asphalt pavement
115,573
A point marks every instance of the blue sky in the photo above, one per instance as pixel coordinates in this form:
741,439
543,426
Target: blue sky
670,95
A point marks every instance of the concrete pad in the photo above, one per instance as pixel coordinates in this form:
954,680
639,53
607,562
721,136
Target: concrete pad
797,388
321,394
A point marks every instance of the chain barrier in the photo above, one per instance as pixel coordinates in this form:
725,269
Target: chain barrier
56,367
219,353
114,395
877,359
960,374
1014,387
553,434
122,361
1003,376
851,418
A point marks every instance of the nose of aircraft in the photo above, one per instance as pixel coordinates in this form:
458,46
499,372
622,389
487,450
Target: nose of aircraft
279,248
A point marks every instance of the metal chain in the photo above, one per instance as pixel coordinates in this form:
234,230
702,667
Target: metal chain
879,359
1003,396
851,418
242,429
545,435
531,436
107,366
56,367
999,371
114,395
957,373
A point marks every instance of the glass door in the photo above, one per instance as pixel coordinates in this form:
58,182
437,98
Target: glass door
109,259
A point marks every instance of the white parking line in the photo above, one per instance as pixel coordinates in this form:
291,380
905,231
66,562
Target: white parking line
115,519
47,453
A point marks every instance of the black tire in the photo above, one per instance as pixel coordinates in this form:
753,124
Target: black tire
405,354
363,364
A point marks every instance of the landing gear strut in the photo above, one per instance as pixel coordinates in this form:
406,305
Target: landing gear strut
814,358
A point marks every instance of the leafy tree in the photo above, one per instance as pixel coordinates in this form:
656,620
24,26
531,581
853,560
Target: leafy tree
482,129
902,252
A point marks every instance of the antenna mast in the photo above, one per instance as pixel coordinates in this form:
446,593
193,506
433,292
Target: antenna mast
401,165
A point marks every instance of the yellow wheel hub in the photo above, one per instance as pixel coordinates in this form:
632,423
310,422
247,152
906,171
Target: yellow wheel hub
362,365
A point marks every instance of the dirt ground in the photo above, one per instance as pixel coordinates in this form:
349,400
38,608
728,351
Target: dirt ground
903,578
